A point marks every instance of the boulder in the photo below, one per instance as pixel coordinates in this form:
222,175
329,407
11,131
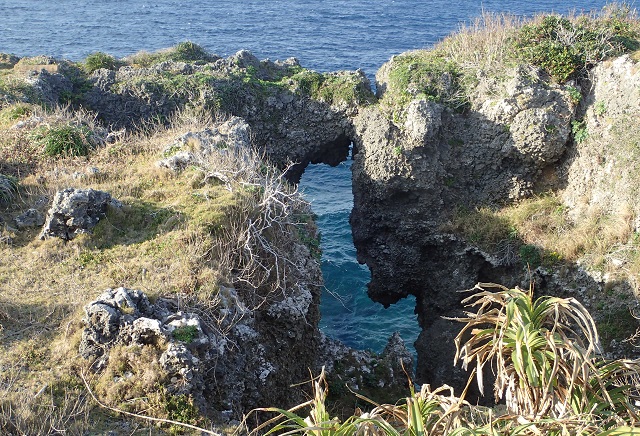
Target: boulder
76,211
193,148
31,218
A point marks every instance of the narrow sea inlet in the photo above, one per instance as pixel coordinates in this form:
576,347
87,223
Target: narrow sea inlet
347,312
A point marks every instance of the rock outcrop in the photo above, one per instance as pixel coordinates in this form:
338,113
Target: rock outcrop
76,211
290,126
411,175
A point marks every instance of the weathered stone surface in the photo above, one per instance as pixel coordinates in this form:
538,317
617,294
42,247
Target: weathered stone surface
31,218
601,169
194,148
355,368
409,179
76,211
289,126
246,358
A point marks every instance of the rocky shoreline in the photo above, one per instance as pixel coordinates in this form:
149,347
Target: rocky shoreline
417,170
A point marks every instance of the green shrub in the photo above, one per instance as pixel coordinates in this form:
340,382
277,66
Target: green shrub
185,333
189,52
332,87
183,52
7,61
427,75
98,60
182,409
8,188
579,130
530,255
567,48
574,94
66,139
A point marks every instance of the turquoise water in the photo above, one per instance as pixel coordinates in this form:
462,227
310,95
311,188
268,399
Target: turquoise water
325,35
347,313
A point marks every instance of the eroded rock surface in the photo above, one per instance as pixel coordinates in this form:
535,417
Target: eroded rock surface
408,178
76,211
292,128
193,148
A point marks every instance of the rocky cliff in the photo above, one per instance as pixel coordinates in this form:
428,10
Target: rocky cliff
202,259
416,178
186,266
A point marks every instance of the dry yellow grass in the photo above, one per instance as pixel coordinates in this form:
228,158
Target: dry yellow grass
160,242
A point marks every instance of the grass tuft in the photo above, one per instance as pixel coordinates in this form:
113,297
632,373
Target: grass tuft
186,51
98,60
63,140
8,188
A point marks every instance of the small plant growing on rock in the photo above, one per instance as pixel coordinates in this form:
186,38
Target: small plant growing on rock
185,333
188,51
427,75
98,60
530,255
600,108
568,48
574,94
579,130
183,52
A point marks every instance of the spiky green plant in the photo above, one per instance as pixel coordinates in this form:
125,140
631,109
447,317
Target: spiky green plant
98,60
319,421
8,188
426,412
544,356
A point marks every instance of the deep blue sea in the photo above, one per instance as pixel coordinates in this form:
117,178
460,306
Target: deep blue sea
325,35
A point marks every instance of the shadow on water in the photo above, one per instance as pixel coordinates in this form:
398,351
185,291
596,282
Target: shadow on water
347,312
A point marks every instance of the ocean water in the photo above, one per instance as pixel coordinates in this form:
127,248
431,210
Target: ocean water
325,35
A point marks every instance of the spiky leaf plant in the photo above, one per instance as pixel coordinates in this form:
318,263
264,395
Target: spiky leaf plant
544,355
427,412
317,423
8,188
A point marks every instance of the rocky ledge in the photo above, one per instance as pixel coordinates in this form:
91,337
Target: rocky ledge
420,166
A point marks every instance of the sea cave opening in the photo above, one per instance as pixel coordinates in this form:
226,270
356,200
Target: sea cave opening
347,312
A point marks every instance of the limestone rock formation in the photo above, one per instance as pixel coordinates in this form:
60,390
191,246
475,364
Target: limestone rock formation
292,128
30,218
193,148
125,317
409,177
76,211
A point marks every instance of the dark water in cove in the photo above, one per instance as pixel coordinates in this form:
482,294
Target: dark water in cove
325,35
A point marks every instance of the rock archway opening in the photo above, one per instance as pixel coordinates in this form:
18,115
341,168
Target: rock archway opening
348,314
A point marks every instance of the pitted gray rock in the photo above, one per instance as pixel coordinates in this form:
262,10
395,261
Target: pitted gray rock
76,211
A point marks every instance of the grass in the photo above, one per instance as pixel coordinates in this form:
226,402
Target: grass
542,232
99,60
423,75
66,139
174,235
185,51
332,88
9,115
465,67
8,189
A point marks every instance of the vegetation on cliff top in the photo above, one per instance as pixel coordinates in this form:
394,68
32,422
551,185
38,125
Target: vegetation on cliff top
177,234
165,239
470,59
